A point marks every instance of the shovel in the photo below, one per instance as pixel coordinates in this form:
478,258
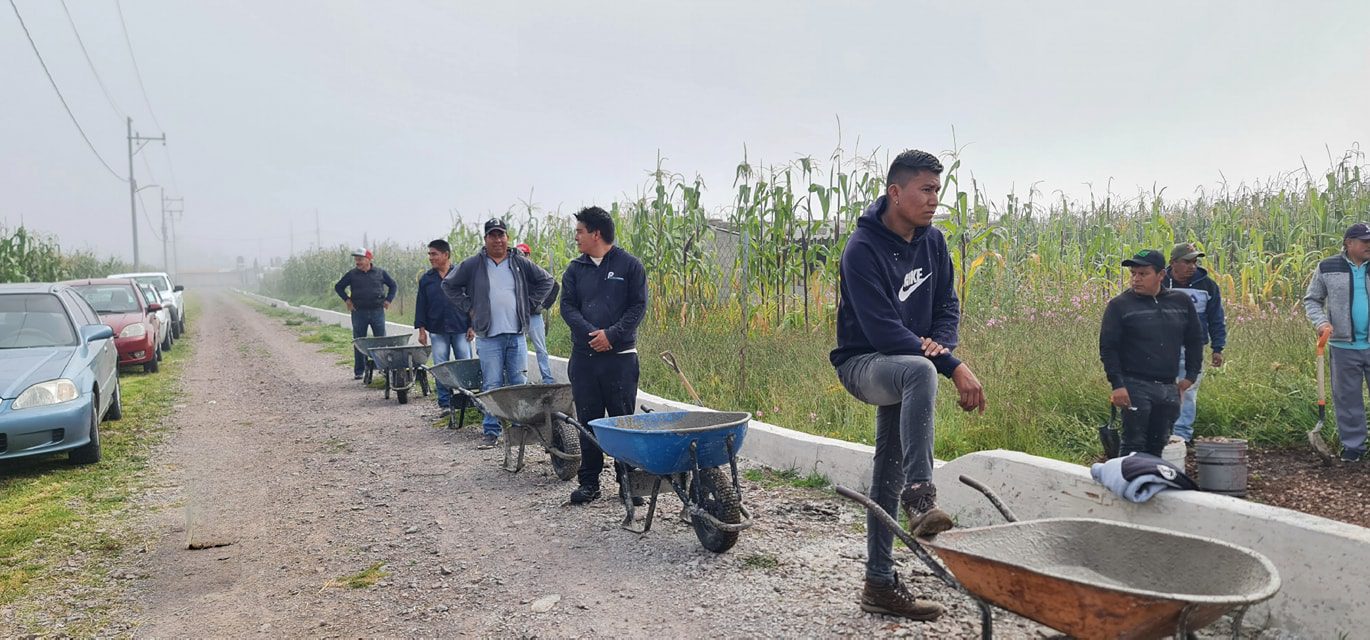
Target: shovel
669,359
1315,434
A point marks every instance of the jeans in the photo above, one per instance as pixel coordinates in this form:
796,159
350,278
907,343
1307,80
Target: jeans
1189,404
537,334
603,385
503,362
1147,424
1350,371
448,346
361,319
903,389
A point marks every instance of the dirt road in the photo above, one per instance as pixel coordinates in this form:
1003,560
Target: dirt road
296,477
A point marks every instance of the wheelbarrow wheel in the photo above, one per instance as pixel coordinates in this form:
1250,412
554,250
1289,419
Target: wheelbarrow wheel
403,395
719,499
566,439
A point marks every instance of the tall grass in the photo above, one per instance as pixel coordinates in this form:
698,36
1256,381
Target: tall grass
29,257
744,291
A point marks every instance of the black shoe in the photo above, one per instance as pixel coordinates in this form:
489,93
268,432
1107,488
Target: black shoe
585,494
488,441
356,376
1351,455
638,501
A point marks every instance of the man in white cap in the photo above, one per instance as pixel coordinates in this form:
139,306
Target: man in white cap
372,291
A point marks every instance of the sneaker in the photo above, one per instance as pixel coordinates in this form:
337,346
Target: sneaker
585,494
488,441
895,600
1351,455
356,376
920,505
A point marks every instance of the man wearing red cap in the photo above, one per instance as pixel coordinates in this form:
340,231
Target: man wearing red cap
372,291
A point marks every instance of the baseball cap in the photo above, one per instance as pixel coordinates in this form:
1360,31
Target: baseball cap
524,248
1145,258
495,223
361,252
1185,251
1358,231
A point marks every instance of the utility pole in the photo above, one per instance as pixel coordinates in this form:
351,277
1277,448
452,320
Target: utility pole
133,184
166,262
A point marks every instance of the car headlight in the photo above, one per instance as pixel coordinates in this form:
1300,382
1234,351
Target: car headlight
135,330
46,393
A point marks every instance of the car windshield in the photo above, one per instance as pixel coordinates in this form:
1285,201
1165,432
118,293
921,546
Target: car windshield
156,281
150,294
109,298
34,320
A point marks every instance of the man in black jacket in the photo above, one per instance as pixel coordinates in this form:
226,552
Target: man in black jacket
1143,330
603,299
372,291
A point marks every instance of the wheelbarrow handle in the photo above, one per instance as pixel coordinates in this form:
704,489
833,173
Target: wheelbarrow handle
993,498
893,525
584,431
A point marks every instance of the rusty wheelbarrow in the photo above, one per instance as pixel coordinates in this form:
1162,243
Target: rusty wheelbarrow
1092,578
529,412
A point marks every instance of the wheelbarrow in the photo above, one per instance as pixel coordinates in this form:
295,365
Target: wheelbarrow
1092,578
529,412
403,366
366,344
695,452
464,378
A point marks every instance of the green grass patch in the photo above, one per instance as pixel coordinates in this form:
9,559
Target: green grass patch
362,579
760,561
771,478
51,512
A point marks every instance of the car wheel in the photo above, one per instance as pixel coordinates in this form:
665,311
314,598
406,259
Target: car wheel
151,366
89,453
167,342
176,330
116,408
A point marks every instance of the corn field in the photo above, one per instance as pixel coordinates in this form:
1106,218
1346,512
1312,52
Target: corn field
29,257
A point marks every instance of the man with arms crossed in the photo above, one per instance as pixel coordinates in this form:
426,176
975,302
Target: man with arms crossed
367,291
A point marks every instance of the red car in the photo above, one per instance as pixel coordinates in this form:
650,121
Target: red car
137,329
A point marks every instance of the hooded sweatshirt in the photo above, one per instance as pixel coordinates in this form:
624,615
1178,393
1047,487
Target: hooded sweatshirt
895,293
1208,301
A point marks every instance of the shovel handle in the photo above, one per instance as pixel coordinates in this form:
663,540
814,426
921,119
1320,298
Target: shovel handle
1322,340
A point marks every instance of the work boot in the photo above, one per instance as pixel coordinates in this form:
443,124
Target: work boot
585,494
488,441
895,600
920,505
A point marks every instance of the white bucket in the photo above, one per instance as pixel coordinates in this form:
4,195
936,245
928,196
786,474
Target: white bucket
1174,452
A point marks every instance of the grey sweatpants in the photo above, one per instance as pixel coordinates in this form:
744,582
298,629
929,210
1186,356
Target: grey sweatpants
903,389
1350,372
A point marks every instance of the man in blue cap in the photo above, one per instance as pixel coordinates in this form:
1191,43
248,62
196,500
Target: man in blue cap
1338,299
1143,331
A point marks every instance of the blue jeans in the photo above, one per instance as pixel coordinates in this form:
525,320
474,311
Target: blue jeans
361,319
1189,404
503,362
448,346
537,334
903,389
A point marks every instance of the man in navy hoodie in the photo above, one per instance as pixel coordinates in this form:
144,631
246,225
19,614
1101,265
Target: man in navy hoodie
603,300
1186,276
896,328
438,320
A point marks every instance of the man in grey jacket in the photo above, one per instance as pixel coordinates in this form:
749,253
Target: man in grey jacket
498,289
1338,299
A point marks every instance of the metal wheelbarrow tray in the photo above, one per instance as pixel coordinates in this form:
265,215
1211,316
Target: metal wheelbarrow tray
464,378
530,411
695,452
364,346
1092,578
403,366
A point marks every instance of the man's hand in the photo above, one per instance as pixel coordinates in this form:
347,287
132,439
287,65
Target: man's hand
350,307
931,349
1218,359
1120,398
385,305
598,341
423,336
972,395
470,334
1183,385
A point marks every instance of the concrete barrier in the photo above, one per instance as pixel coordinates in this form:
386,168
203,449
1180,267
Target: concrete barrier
1322,563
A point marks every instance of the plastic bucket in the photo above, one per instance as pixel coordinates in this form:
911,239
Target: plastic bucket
1222,465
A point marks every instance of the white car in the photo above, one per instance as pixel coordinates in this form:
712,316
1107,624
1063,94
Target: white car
171,295
150,296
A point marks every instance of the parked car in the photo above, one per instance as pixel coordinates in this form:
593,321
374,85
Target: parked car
59,375
151,297
172,294
140,327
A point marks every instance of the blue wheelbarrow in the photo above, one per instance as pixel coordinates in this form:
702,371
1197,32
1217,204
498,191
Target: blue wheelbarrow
695,452
464,378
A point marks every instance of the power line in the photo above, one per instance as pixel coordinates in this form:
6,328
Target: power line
138,74
91,63
147,219
59,93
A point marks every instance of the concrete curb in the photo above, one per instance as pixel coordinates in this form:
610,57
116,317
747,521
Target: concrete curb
1322,563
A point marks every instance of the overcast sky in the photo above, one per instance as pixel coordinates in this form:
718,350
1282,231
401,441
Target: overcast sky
385,116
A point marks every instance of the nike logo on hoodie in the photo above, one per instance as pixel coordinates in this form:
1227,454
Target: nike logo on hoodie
912,280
